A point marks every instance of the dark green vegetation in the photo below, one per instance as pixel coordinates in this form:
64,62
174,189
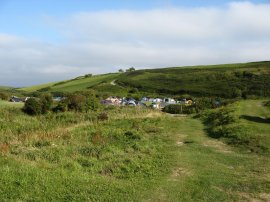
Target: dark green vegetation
228,81
129,154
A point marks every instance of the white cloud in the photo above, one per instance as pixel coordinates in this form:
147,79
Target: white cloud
98,42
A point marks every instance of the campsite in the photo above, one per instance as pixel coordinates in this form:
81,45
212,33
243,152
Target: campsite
91,145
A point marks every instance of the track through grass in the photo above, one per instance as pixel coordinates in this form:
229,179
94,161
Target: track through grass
137,155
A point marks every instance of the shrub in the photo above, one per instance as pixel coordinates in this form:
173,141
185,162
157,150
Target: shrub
76,102
220,117
61,107
92,103
133,90
267,103
132,135
179,109
44,89
173,109
46,102
103,117
88,75
4,96
32,107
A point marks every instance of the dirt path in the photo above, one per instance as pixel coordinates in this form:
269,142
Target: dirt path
113,82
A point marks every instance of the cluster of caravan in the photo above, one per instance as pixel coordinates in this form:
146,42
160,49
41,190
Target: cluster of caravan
156,103
17,99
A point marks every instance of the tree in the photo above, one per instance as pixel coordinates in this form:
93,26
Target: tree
92,103
61,106
120,70
131,69
88,75
32,107
76,102
46,102
4,96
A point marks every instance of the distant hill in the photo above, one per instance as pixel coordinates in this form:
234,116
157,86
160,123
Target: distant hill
227,80
5,87
230,80
77,84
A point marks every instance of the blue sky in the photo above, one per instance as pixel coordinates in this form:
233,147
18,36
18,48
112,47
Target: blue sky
27,18
50,40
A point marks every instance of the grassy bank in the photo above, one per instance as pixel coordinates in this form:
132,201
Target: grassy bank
136,155
244,124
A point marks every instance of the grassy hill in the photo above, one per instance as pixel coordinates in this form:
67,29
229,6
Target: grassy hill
229,81
5,87
136,155
77,84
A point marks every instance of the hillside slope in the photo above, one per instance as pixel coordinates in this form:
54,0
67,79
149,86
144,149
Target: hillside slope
77,84
137,155
218,80
5,87
230,81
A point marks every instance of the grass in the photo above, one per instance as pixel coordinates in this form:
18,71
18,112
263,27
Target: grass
136,155
227,80
73,85
5,87
244,124
256,118
6,104
37,87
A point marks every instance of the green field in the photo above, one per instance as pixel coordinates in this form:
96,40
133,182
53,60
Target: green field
136,155
5,87
37,87
5,104
73,85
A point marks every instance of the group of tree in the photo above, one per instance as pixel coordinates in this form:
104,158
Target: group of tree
4,96
41,105
79,102
131,69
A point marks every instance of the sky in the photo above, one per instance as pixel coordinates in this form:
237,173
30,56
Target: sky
47,40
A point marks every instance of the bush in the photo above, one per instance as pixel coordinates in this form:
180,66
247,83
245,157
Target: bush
92,103
132,135
32,107
46,102
220,117
103,117
173,109
223,123
88,75
83,101
76,102
267,103
179,109
61,107
4,96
